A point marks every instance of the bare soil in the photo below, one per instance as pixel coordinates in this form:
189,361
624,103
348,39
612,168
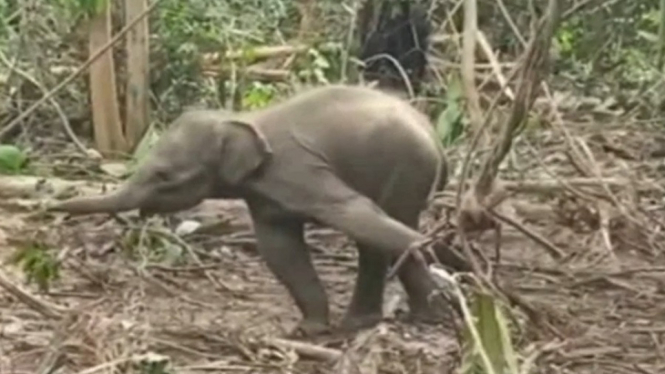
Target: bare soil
601,309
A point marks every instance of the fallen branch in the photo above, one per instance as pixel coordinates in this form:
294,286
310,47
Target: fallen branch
494,63
555,185
34,187
307,350
252,72
256,53
552,249
262,52
109,365
44,308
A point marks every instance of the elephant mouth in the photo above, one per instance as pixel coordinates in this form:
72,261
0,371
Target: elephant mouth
145,214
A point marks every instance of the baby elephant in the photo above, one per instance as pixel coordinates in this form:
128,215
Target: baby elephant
353,158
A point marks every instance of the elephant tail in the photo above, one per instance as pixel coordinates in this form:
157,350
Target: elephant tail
441,177
441,169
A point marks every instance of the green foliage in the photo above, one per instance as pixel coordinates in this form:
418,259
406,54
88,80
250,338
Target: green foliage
152,245
321,65
450,122
92,7
152,367
153,364
258,95
611,45
316,72
486,341
89,8
565,38
601,49
37,264
184,31
6,9
12,159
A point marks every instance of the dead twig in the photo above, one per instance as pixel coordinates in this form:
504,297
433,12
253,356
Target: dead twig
44,308
552,249
307,349
531,74
472,215
108,366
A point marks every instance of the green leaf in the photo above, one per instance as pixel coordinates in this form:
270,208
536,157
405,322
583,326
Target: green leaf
450,124
12,159
38,265
648,36
509,354
172,253
494,337
489,331
248,55
258,95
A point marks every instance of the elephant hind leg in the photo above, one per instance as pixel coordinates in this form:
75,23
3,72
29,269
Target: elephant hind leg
424,306
366,307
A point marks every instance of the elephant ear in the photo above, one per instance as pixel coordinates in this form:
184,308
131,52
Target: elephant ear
244,149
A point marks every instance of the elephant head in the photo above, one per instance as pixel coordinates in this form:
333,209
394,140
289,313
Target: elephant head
203,153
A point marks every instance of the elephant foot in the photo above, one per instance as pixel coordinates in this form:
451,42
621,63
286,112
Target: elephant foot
429,317
354,322
436,310
308,329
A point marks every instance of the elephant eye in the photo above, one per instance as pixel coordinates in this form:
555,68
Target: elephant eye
162,176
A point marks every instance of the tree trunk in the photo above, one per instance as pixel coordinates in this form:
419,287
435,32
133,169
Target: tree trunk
138,50
107,126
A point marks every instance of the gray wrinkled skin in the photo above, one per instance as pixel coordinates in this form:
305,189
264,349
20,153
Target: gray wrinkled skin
356,159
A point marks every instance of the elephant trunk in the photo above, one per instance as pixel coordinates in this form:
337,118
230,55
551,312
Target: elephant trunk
118,201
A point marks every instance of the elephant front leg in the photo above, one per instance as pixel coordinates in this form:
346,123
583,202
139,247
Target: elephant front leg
281,243
366,307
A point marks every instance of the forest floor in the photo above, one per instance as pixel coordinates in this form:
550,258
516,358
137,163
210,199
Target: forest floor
602,303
